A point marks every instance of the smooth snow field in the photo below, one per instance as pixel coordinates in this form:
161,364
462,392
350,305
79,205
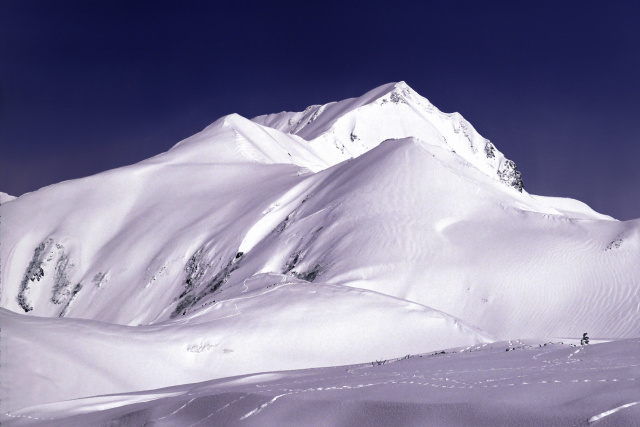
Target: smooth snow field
524,383
277,271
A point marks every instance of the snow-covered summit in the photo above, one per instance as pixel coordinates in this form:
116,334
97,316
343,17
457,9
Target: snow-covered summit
340,130
325,135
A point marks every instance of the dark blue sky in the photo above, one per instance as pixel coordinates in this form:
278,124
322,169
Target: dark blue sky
91,85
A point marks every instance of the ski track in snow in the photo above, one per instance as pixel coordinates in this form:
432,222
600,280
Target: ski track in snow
441,379
611,411
218,411
174,412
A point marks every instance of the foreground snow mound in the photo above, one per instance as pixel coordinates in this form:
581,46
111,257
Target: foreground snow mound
276,324
532,384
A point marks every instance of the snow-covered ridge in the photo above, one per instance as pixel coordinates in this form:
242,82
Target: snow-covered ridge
340,130
325,135
234,139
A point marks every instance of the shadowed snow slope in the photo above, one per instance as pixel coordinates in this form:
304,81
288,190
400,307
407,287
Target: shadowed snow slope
371,227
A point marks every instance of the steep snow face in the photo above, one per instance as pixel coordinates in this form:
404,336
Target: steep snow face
348,128
422,225
117,246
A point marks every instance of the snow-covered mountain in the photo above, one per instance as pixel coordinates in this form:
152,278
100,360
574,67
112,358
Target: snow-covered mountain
367,228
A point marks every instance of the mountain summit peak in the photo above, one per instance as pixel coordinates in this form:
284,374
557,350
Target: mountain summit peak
325,135
349,128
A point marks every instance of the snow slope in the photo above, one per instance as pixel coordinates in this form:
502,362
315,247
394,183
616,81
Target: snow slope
279,328
366,228
533,384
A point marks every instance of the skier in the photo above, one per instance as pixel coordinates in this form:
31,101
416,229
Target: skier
585,339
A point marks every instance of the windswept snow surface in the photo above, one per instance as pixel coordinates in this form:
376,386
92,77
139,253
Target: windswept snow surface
362,229
515,383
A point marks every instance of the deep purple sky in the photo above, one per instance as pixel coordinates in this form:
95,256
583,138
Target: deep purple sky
92,85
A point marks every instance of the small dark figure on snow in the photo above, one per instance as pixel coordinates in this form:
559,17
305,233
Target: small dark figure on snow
585,339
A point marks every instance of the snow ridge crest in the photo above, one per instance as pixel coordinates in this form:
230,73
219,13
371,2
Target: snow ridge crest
322,136
341,130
